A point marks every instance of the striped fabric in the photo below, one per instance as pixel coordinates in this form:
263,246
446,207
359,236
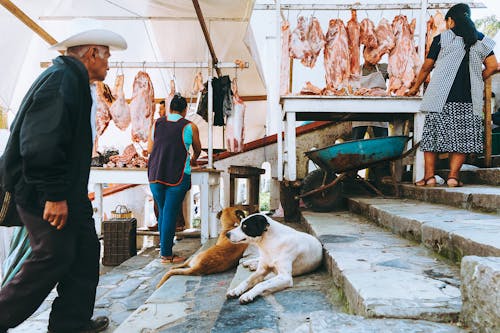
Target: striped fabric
446,68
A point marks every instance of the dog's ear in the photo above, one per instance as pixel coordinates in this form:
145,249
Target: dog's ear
239,214
219,214
255,225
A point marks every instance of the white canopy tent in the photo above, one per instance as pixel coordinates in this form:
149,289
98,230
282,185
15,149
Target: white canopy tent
156,31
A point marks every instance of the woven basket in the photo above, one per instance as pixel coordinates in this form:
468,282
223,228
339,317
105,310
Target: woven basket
121,212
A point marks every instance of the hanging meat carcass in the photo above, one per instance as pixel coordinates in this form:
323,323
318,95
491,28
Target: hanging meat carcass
435,26
104,98
170,96
120,111
316,41
337,60
285,58
367,35
299,45
386,41
235,127
403,60
353,33
142,107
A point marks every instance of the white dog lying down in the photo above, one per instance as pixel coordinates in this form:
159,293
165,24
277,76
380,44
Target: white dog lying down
282,250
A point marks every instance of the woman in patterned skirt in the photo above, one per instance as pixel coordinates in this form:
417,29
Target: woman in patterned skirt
453,100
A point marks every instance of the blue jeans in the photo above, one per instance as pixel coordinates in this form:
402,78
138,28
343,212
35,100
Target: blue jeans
169,200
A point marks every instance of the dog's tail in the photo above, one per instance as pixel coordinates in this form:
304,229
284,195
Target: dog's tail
175,271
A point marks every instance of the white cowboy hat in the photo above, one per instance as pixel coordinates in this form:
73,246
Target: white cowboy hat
93,37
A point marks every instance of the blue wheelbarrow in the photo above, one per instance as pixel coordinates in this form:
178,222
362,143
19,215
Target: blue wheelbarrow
337,162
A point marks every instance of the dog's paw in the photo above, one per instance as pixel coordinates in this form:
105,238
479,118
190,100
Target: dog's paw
251,264
246,298
233,293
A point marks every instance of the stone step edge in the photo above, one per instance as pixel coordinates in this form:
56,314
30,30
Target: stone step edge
484,176
353,301
443,242
471,197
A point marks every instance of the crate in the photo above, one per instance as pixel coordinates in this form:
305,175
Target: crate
119,237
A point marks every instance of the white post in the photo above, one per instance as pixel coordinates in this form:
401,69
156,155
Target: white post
418,121
275,93
210,124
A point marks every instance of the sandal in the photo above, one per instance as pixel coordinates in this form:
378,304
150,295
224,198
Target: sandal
173,259
426,182
455,182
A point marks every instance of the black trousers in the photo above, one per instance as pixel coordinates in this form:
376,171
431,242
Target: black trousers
68,258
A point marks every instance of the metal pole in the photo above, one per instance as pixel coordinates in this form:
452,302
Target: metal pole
210,124
203,25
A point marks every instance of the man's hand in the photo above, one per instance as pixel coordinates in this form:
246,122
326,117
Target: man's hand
56,213
193,162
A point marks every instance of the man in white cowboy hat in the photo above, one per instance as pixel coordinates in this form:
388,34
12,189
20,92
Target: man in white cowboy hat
46,165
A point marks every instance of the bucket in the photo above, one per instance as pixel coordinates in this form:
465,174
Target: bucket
121,212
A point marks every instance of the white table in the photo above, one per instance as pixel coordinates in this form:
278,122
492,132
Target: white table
206,179
348,108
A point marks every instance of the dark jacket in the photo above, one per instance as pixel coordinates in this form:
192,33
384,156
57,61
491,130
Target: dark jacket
47,157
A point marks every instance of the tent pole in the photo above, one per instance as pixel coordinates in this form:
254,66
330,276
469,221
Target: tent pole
28,21
207,36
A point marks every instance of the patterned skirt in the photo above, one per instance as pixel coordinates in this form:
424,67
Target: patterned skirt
456,129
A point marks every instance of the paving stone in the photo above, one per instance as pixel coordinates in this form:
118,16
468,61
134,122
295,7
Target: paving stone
331,322
125,289
481,293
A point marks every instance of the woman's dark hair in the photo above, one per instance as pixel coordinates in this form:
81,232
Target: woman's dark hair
178,103
464,26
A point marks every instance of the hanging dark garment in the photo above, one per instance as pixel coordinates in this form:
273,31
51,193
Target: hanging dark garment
222,100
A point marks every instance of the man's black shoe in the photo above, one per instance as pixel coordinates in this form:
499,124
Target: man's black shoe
96,325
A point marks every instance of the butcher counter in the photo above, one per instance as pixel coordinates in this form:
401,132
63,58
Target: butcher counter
207,179
348,108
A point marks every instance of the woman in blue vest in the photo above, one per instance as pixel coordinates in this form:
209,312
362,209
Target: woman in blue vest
453,101
169,169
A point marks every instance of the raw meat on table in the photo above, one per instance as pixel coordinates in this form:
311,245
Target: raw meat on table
310,89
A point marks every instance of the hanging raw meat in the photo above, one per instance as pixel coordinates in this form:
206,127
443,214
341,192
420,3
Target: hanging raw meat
235,127
385,40
353,33
170,96
197,85
142,107
104,98
120,112
337,58
299,45
316,41
403,59
367,35
285,59
435,26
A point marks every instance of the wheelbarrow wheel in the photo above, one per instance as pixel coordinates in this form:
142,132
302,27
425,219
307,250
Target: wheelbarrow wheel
323,201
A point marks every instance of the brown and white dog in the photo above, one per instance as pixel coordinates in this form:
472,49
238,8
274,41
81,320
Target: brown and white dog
222,256
283,251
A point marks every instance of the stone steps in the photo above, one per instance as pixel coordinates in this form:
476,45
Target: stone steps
451,232
382,275
198,304
485,176
485,198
